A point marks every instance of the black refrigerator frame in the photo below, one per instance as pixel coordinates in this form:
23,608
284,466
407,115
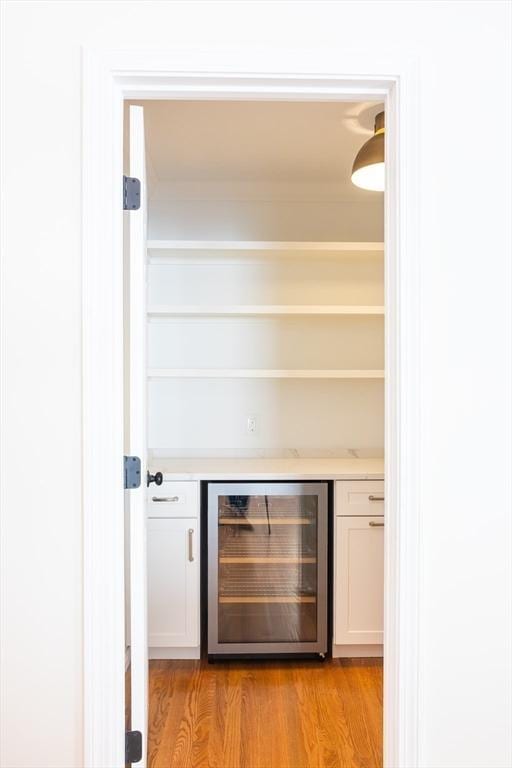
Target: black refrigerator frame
321,646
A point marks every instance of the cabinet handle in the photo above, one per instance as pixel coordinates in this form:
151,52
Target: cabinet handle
376,498
165,498
373,524
190,540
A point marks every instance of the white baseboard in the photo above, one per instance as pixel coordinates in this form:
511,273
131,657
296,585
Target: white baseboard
175,653
357,651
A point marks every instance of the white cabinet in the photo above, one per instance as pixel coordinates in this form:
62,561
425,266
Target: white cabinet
359,563
359,592
173,582
173,568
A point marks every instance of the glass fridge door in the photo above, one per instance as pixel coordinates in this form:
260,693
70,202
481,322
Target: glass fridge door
267,567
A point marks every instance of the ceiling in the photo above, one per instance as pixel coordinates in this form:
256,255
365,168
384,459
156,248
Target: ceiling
258,142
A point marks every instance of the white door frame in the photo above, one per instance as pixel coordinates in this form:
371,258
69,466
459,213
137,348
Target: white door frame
109,79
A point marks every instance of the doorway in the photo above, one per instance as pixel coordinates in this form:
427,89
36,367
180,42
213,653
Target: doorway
264,328
391,477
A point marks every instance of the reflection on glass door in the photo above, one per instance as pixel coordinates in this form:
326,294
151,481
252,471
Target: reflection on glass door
267,566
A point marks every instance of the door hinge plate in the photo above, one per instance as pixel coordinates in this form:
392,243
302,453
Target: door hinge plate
131,193
131,472
133,747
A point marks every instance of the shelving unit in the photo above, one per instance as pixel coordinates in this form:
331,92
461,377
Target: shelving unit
255,327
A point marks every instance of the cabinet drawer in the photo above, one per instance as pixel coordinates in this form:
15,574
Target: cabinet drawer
173,499
359,497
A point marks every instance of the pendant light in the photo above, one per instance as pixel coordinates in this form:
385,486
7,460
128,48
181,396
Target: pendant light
368,168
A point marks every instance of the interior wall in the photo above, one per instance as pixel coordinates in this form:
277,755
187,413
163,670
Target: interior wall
295,418
464,677
232,219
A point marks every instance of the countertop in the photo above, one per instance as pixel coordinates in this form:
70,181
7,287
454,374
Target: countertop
269,469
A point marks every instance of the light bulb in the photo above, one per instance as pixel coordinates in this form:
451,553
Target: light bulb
370,177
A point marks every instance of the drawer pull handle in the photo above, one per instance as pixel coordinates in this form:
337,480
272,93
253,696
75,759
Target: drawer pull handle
165,498
373,524
190,549
376,498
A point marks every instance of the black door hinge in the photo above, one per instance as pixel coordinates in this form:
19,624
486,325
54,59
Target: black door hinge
132,747
131,193
131,472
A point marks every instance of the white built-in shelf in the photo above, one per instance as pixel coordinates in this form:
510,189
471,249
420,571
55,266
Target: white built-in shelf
261,373
261,245
195,252
185,310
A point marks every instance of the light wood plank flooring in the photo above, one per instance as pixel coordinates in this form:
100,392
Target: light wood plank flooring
289,714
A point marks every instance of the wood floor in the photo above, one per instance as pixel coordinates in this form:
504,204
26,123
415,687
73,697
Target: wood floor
287,714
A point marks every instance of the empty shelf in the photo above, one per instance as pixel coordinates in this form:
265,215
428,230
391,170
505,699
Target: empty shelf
197,310
261,373
261,245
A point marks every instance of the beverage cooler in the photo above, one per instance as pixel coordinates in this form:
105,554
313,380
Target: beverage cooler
267,568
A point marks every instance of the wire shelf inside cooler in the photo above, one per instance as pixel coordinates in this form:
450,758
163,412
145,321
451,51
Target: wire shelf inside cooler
260,508
285,543
292,581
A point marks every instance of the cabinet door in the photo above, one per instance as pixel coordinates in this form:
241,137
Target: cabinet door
173,582
359,583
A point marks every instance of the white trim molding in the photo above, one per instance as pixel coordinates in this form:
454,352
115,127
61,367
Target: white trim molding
109,79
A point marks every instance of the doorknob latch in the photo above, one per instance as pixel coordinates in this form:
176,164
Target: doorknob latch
157,478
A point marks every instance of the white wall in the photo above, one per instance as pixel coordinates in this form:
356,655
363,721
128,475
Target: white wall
465,201
294,418
229,219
